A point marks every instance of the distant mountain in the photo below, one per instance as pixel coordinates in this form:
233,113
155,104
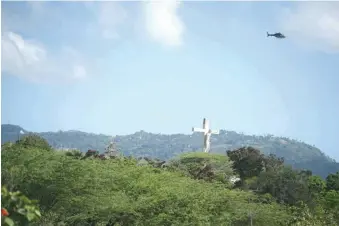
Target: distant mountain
298,154
10,132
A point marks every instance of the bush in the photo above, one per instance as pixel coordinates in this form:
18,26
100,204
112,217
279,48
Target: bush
33,140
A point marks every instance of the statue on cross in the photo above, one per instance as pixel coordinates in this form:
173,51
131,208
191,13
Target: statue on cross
207,134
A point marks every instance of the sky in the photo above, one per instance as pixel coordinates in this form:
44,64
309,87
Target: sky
120,67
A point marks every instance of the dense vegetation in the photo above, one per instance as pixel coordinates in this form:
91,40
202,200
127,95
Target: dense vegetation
165,147
73,188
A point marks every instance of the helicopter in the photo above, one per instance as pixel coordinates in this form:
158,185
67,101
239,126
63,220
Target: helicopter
277,35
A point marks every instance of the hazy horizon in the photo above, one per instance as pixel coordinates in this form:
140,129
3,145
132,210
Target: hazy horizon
153,132
183,133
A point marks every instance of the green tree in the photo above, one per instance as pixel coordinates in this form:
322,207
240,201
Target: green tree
332,182
119,192
77,154
18,208
205,166
272,162
331,203
34,140
247,161
316,186
286,185
302,215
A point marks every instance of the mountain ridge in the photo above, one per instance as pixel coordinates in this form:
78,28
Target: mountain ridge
166,146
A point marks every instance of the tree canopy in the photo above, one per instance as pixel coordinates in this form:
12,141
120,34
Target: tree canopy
191,189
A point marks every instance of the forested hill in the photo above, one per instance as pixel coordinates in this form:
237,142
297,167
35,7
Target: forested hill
298,154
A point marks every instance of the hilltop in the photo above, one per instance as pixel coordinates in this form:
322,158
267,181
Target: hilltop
296,153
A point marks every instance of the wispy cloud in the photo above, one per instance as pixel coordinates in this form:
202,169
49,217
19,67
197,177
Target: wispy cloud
163,22
314,25
31,60
28,54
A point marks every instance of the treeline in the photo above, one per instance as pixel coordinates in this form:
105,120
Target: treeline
241,188
296,153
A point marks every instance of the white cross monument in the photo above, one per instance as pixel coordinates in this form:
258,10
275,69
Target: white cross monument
207,134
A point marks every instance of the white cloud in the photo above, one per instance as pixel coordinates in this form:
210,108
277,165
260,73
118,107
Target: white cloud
163,22
314,25
32,61
31,58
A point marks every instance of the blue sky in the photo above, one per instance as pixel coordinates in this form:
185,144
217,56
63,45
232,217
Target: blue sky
121,67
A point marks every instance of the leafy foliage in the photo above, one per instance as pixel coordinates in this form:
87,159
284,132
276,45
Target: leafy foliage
248,162
204,166
192,189
17,208
34,140
332,182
